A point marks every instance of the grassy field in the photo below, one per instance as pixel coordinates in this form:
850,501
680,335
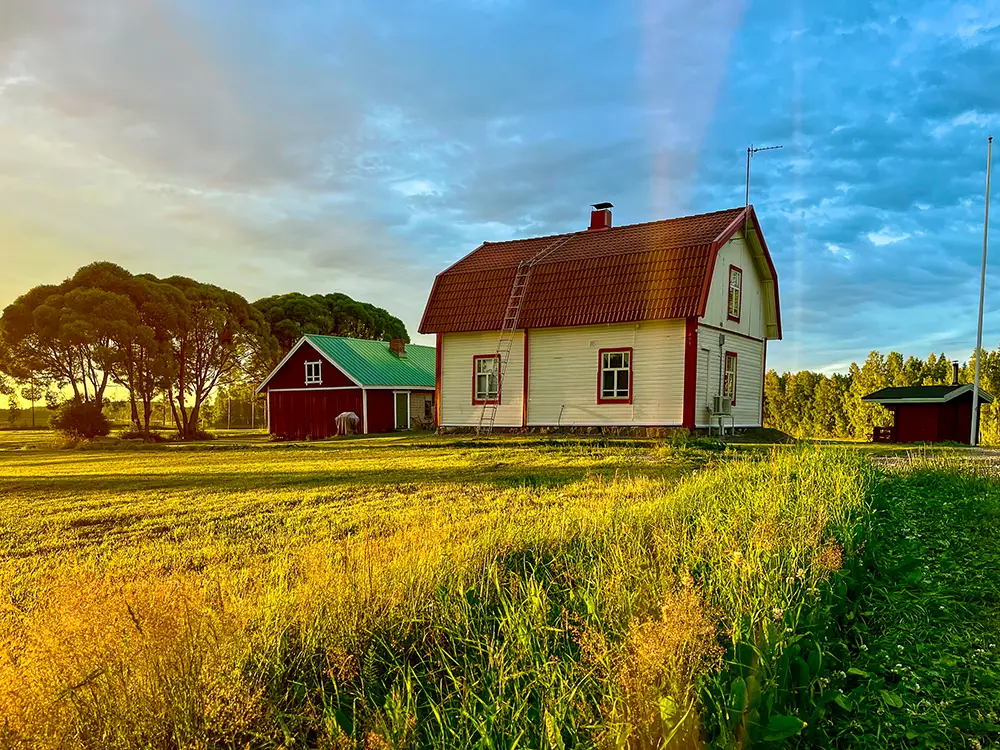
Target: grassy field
428,592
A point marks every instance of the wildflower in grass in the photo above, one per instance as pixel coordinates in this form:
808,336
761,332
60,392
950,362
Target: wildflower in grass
342,667
659,666
829,558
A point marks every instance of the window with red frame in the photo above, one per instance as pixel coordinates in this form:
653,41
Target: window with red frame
486,379
735,292
616,375
729,382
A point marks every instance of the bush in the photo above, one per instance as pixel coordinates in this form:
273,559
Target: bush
80,420
149,437
196,435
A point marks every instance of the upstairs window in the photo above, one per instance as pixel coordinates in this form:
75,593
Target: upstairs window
314,373
615,376
729,382
735,292
486,379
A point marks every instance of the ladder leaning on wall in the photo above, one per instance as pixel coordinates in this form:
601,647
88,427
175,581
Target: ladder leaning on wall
508,328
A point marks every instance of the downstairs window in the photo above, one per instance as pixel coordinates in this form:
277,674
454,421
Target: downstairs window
486,379
729,382
614,383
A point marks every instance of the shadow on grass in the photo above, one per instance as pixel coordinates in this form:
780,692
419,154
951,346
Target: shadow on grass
501,476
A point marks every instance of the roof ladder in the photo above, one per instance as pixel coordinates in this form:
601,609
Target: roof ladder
508,328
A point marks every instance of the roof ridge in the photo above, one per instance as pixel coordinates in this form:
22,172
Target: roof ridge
613,228
357,338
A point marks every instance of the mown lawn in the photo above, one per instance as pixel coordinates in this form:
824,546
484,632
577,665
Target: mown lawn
432,592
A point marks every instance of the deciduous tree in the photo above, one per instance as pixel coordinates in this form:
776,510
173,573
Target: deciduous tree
60,334
218,334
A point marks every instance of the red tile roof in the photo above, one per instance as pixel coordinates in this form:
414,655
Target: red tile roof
650,271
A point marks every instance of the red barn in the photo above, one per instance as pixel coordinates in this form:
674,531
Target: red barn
927,413
389,385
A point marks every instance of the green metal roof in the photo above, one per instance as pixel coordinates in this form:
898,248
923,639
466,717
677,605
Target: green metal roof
371,362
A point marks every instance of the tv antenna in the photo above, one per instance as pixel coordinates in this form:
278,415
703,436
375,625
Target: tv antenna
751,150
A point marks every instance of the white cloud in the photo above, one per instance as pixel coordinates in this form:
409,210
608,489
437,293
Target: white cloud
978,119
838,251
886,237
411,188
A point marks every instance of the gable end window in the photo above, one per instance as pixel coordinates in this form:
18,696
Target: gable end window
729,381
486,379
735,293
614,378
314,372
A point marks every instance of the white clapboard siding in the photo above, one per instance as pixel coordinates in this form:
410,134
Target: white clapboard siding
563,371
749,376
735,253
457,351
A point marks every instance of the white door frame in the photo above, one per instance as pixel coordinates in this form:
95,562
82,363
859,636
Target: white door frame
395,407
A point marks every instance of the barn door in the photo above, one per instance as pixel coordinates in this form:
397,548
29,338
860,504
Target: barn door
402,399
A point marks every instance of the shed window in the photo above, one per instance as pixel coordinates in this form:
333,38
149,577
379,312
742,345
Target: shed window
615,383
729,382
314,372
735,292
486,379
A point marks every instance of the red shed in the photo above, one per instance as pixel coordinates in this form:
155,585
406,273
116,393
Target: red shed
389,385
927,413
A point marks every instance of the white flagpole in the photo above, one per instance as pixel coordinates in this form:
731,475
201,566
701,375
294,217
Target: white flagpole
982,298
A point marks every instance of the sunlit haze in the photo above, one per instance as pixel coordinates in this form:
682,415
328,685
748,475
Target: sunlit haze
362,147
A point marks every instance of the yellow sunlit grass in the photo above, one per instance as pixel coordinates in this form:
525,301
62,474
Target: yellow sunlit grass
394,593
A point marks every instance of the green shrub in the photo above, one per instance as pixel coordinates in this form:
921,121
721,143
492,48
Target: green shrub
149,437
196,435
80,420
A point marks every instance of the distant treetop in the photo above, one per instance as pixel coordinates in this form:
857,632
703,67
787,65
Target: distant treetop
294,314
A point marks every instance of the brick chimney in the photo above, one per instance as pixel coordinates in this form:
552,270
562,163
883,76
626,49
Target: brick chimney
398,347
600,217
954,372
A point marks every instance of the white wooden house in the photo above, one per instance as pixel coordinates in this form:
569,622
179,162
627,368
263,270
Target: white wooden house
638,325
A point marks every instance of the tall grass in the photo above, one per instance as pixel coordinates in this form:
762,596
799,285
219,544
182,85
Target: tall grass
585,611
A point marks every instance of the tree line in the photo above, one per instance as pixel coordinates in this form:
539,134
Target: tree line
812,405
175,340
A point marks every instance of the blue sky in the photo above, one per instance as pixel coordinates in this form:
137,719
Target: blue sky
361,147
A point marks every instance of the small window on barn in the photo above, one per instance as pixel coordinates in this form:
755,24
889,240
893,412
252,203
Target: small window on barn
486,379
735,292
428,408
615,384
314,372
729,383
